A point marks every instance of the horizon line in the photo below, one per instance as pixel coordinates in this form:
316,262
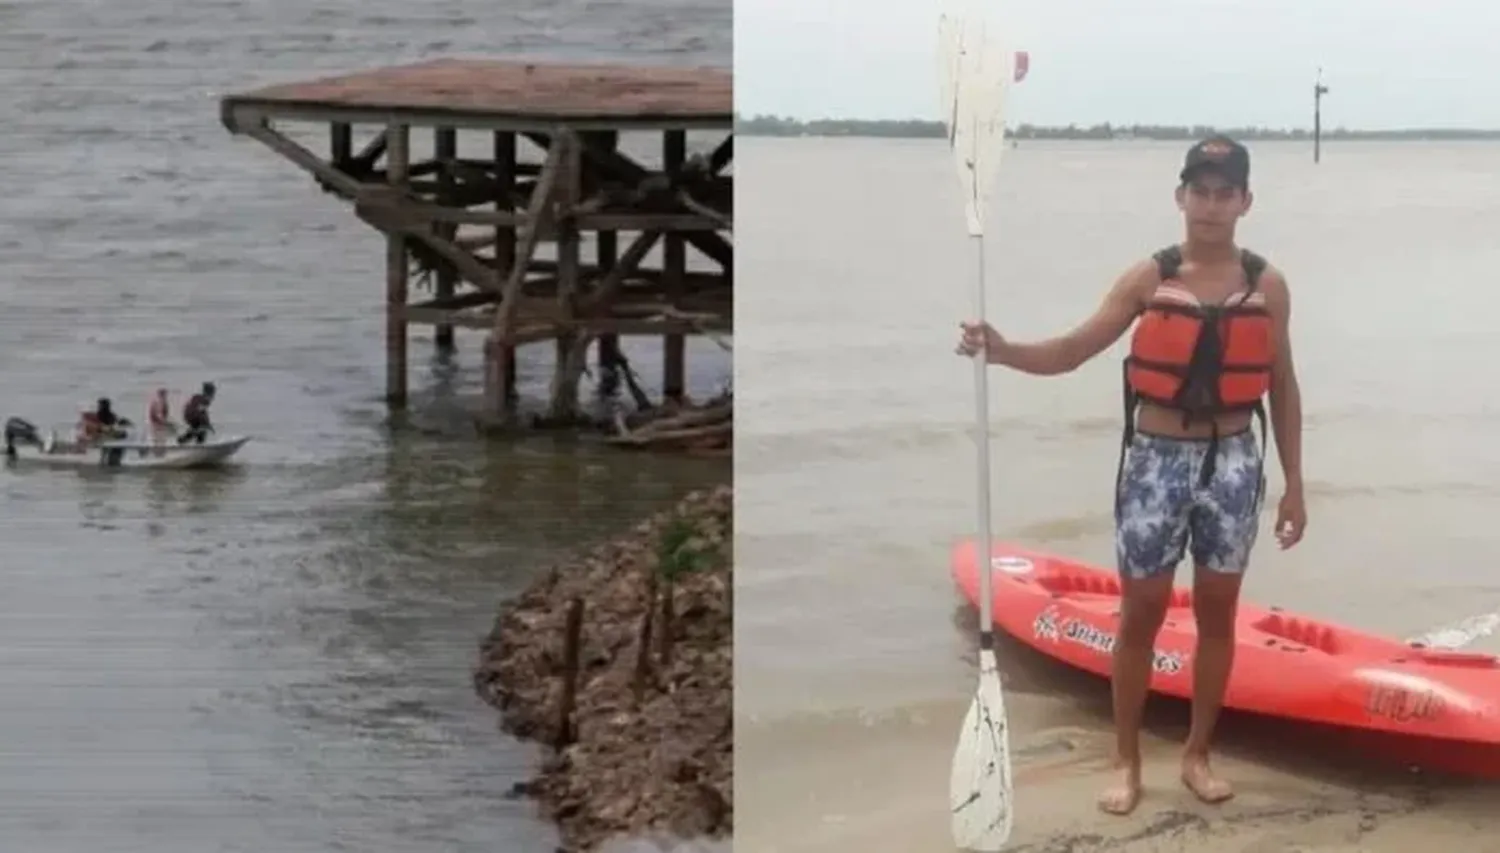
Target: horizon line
1116,125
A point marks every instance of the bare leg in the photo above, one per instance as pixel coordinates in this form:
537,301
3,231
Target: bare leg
1143,607
1215,602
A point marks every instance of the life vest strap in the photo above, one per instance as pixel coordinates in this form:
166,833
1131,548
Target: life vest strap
1169,265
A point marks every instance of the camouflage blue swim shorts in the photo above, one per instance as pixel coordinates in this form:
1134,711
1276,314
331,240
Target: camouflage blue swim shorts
1163,508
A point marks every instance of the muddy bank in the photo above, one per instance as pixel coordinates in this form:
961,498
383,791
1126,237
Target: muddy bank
648,747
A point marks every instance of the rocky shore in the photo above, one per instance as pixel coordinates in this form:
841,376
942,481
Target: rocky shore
647,749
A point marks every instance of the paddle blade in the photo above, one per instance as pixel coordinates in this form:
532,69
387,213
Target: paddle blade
977,72
1458,635
979,789
947,58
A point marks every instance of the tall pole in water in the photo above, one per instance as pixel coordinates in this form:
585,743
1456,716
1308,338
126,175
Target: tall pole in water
1319,90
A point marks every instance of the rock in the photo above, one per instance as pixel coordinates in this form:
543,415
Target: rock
648,760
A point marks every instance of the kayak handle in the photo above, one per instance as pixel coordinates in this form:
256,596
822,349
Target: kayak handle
1440,657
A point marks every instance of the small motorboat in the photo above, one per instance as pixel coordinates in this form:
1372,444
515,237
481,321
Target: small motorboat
26,445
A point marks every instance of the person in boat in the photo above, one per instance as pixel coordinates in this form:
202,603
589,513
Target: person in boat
159,417
195,416
1211,341
100,424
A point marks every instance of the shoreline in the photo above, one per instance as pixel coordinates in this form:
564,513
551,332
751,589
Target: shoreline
647,750
921,128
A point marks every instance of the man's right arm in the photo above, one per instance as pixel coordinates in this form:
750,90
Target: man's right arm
1066,353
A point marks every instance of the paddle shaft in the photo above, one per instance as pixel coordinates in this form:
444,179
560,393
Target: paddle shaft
982,441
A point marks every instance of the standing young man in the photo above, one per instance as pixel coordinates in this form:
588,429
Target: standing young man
195,416
1211,342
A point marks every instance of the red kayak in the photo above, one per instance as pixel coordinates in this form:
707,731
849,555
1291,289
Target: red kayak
1435,709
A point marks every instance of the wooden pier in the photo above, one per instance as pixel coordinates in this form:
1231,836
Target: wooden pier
471,226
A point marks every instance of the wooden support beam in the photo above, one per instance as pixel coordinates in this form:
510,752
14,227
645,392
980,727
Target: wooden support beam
445,151
396,272
500,357
472,299
538,211
393,219
538,208
722,156
571,346
421,315
723,221
609,287
364,162
645,321
340,142
611,221
674,265
544,288
611,359
309,162
542,306
638,277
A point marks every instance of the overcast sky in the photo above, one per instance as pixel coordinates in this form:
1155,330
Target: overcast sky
1388,63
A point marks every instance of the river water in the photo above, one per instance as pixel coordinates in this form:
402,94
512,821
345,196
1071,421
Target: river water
276,657
855,445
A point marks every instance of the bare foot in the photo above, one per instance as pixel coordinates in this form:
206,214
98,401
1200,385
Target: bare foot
1122,798
1200,779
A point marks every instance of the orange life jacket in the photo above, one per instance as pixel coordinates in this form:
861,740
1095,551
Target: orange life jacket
1201,360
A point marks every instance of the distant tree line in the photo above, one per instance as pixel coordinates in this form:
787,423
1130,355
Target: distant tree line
763,125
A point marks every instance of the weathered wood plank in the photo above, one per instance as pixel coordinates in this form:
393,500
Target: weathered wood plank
396,273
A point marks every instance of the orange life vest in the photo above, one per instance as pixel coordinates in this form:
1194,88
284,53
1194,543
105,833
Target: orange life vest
1202,360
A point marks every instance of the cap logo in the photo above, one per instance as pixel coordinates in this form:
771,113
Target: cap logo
1214,150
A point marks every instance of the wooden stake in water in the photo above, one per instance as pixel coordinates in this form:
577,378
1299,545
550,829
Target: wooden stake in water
1319,90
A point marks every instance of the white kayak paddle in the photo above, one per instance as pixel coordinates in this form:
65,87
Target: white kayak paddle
977,72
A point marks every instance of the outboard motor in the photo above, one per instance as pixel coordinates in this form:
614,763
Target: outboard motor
20,430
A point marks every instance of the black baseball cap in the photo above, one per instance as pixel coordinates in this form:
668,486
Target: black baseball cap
1219,155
